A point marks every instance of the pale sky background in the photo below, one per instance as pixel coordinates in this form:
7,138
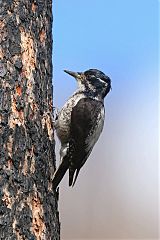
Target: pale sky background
116,194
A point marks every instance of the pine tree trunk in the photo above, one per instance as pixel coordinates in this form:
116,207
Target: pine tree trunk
28,204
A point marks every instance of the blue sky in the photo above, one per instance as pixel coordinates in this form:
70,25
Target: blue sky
119,37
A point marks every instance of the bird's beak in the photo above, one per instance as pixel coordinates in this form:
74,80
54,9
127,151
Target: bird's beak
73,74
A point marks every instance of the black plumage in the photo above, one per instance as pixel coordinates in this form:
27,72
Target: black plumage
80,123
82,128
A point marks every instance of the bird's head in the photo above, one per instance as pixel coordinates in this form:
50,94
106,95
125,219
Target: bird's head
93,81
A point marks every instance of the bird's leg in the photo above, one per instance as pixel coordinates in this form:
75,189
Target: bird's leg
55,113
63,151
54,116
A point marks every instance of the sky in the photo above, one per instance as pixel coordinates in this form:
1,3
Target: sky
116,194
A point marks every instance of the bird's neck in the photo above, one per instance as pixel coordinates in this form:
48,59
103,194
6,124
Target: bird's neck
90,94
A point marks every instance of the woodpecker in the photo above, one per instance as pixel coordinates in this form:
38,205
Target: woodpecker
80,122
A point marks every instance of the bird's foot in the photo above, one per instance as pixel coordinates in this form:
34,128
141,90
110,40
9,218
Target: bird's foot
55,113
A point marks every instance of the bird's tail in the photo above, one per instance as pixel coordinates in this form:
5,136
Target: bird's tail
59,174
73,179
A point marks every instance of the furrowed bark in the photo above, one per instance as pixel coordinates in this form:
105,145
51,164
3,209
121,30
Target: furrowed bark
28,204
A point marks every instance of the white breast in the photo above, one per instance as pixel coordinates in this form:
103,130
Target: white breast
62,124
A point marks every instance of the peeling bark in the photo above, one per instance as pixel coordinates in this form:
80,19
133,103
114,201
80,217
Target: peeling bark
28,204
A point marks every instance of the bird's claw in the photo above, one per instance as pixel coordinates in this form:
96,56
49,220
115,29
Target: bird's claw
55,113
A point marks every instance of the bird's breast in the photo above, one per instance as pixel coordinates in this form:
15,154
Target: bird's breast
63,122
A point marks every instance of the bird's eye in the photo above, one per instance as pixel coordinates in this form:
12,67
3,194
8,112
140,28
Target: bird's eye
87,76
91,77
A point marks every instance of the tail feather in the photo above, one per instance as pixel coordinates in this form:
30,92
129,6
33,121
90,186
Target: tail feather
59,174
77,172
71,176
73,179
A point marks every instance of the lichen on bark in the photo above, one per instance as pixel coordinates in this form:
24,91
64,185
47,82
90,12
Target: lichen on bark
28,204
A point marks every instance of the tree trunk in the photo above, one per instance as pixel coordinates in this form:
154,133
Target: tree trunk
28,204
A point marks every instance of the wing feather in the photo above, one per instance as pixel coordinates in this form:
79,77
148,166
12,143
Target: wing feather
87,119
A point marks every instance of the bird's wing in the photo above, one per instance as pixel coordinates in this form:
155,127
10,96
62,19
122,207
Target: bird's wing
87,119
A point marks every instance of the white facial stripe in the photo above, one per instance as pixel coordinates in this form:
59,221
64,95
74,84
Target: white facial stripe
101,80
